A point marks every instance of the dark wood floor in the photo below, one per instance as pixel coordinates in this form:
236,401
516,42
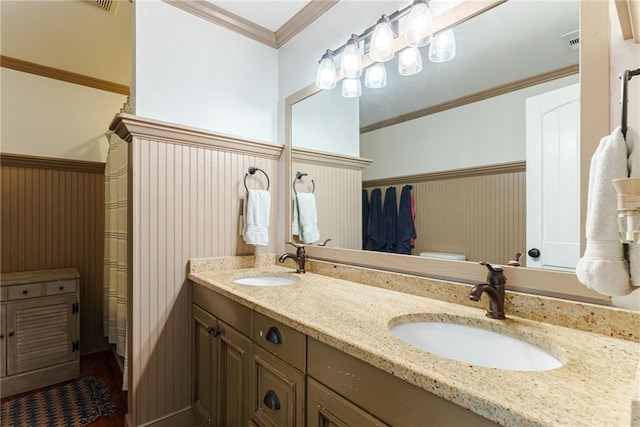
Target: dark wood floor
105,366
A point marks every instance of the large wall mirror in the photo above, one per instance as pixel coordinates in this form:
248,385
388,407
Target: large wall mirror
489,144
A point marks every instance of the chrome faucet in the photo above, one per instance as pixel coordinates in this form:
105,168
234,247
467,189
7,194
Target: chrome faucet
495,288
299,257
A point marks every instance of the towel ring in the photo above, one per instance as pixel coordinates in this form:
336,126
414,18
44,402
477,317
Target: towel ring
252,171
299,176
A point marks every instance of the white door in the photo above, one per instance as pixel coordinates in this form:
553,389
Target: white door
553,203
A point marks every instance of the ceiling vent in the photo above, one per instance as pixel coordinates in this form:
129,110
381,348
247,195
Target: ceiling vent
572,39
109,6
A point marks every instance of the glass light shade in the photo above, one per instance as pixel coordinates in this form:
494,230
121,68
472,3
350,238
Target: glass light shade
326,74
409,61
381,47
376,76
351,63
419,25
443,47
351,88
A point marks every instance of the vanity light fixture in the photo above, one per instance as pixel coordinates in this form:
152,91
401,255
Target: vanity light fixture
409,61
419,25
376,76
351,88
381,48
326,74
379,42
443,47
351,62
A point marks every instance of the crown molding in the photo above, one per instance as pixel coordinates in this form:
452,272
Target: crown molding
129,126
212,13
29,161
499,168
322,158
301,20
474,97
65,76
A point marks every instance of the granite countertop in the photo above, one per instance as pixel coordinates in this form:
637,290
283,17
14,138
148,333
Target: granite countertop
594,387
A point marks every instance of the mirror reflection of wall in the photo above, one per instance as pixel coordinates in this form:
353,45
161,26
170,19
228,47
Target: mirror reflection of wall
467,164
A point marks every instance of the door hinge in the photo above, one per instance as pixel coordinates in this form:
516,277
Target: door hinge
74,308
75,346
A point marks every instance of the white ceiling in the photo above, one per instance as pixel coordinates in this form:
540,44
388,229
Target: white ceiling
266,13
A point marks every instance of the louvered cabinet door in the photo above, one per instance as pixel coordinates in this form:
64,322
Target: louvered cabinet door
40,332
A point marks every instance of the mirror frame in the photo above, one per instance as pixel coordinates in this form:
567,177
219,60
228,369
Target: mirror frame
594,123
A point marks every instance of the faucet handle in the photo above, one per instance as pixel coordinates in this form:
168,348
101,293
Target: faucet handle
294,245
324,243
492,269
496,276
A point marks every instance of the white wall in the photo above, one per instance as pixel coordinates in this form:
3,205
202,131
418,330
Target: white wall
483,133
195,73
51,118
327,122
624,55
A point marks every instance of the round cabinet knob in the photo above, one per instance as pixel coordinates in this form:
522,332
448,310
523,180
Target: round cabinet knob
534,252
62,288
11,334
213,331
25,292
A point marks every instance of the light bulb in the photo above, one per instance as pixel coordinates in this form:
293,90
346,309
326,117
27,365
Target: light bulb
376,76
381,48
419,25
409,61
351,63
443,47
326,74
351,88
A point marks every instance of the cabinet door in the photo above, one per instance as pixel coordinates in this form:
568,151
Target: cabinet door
3,341
234,368
41,332
328,409
205,363
277,391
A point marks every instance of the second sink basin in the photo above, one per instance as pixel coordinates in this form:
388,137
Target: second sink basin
266,280
476,346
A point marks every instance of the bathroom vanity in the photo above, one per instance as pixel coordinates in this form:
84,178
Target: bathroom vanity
319,351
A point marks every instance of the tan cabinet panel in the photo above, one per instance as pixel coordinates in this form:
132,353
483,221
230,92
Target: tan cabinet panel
3,341
31,290
328,409
234,361
205,353
60,287
277,391
280,339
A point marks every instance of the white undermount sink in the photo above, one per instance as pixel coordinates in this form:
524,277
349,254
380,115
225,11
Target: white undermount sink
475,346
266,280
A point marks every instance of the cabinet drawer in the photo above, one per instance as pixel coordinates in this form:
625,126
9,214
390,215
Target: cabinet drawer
30,290
326,408
60,287
277,391
280,339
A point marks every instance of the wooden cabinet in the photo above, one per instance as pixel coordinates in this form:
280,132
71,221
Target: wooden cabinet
39,329
328,409
221,371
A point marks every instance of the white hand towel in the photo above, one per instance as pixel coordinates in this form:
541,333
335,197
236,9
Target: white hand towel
257,206
295,222
633,165
603,267
307,217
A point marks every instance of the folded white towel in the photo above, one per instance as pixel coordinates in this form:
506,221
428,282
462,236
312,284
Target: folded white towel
305,218
630,301
603,267
633,165
257,206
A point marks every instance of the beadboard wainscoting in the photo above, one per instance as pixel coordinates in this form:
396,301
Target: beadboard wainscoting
338,191
53,217
185,198
477,212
